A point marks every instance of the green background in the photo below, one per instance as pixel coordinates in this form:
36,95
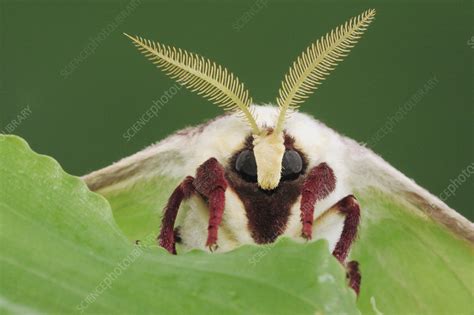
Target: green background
80,120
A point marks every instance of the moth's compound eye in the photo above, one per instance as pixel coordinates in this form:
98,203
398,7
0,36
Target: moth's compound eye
292,165
246,165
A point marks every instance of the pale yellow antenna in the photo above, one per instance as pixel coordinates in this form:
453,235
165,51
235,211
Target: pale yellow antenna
314,64
200,75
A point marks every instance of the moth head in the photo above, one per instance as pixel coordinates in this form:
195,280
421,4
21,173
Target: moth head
292,162
268,159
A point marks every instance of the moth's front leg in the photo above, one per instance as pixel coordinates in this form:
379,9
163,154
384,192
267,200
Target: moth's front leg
166,238
211,184
319,183
353,276
350,208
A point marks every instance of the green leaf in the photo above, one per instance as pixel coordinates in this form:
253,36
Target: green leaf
62,252
138,209
409,263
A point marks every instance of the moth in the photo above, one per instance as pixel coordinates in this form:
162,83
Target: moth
261,172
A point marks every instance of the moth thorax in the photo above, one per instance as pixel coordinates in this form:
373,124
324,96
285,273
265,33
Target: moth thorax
268,150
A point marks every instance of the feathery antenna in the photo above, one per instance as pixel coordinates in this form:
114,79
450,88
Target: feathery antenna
314,64
200,75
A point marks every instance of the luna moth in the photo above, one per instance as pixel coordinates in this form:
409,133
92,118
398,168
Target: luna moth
262,172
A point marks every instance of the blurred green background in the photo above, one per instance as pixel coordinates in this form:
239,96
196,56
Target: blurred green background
82,100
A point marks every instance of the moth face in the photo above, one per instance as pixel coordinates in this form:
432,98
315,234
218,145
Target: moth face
267,210
245,165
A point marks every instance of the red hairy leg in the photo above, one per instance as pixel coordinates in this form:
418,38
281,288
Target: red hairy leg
319,183
210,182
353,276
166,237
350,207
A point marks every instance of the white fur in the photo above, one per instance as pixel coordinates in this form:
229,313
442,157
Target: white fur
268,151
356,168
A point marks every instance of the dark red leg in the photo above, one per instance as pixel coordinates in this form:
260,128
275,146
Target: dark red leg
183,191
319,184
353,276
350,207
211,183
